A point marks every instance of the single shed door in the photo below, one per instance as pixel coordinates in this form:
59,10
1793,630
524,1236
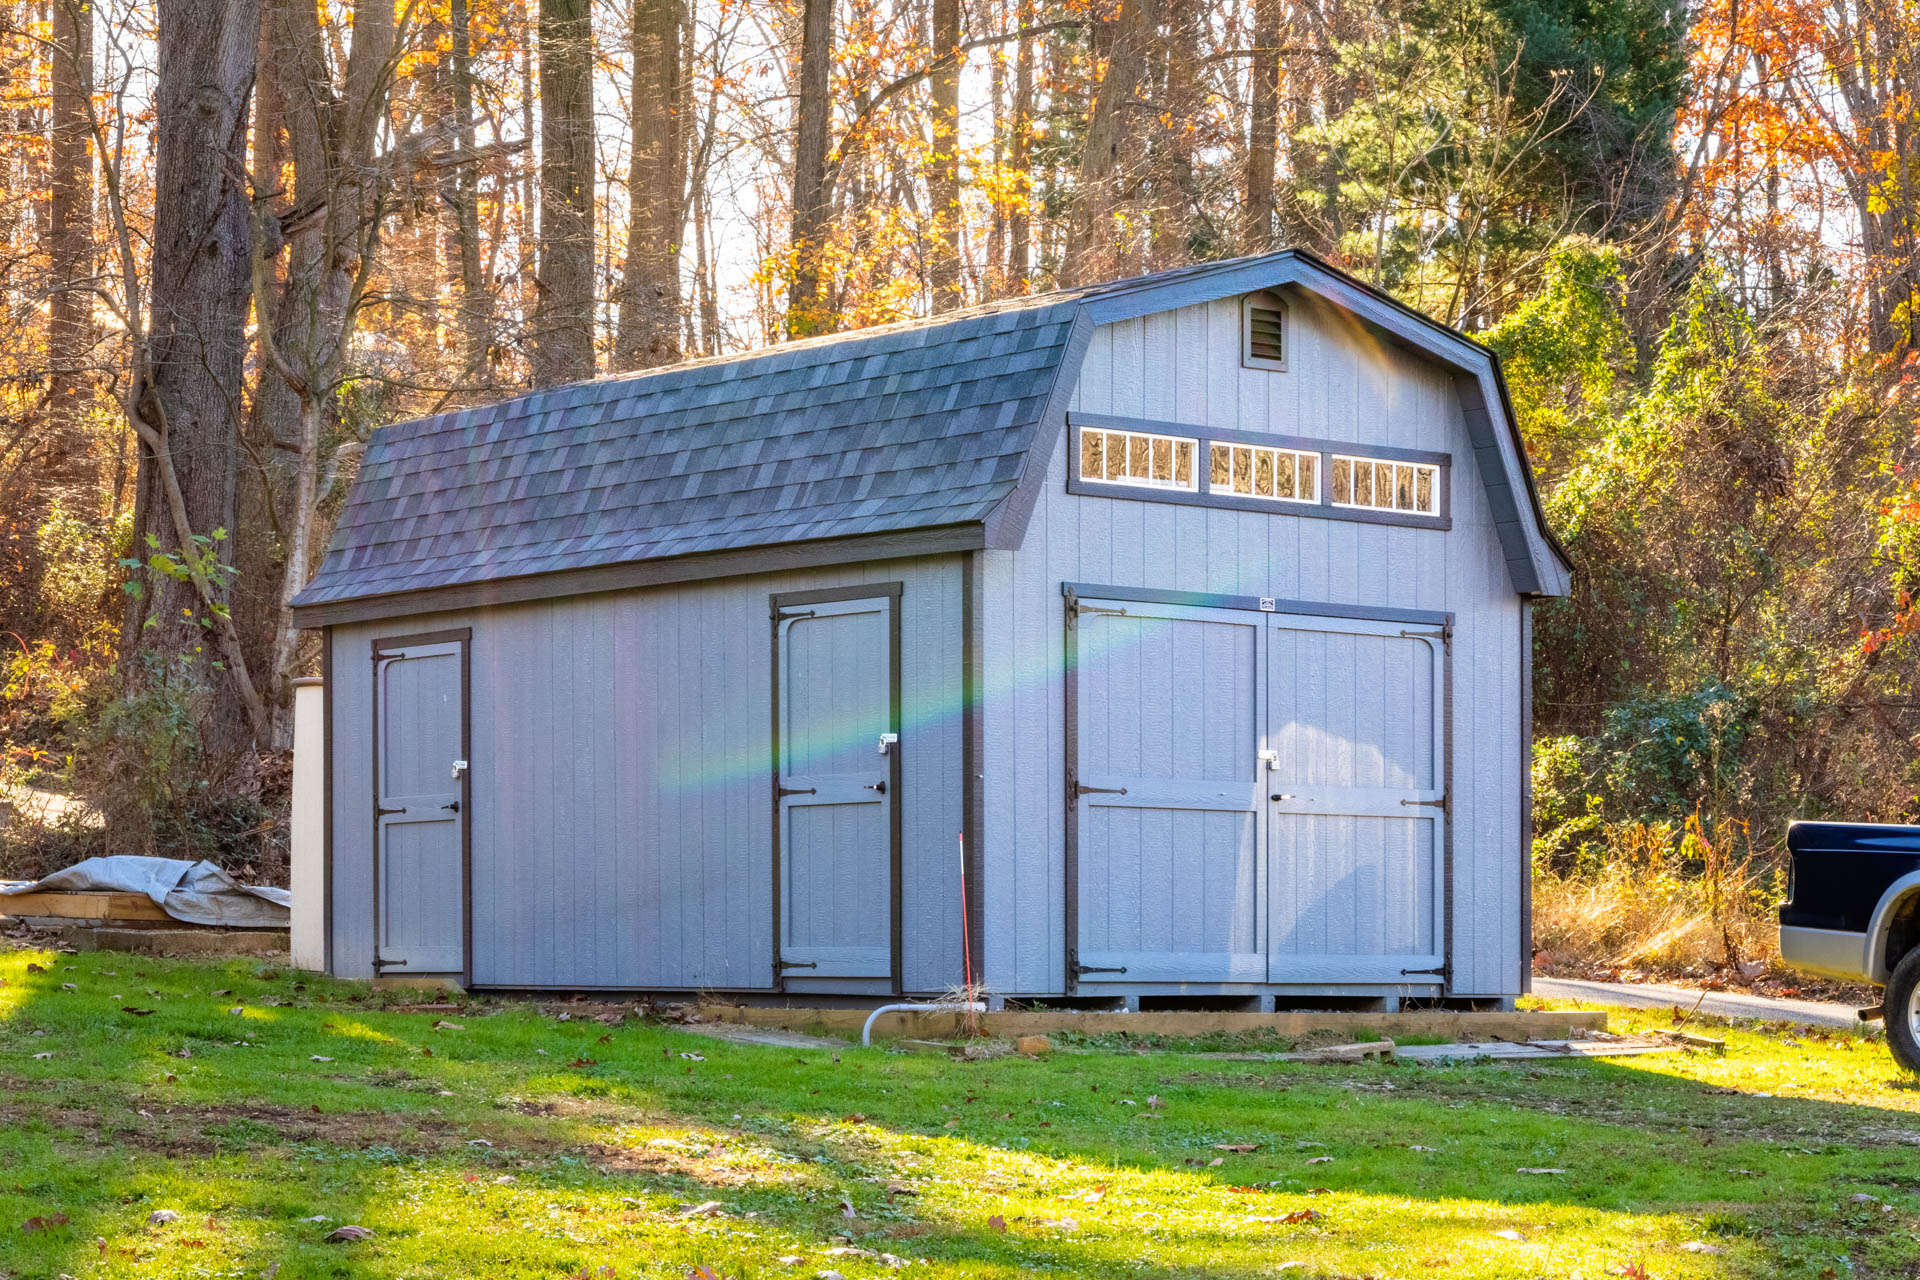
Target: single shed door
838,780
1168,881
1357,800
420,793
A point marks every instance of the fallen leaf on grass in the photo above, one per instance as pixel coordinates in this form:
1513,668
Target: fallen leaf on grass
320,1057
1420,1148
1060,1224
42,1055
46,1223
902,1189
444,1025
997,1223
856,1118
161,1217
583,1062
1539,1170
694,1057
273,1269
35,968
1510,1234
1700,1246
705,1209
1155,1101
1242,1147
347,1235
138,1013
1321,1160
478,1142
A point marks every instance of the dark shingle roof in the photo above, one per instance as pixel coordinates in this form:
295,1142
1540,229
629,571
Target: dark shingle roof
914,426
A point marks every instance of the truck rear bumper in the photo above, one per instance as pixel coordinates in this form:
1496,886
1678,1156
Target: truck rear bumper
1837,953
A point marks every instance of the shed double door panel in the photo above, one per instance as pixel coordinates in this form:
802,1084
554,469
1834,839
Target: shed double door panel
1356,800
836,788
419,863
1169,875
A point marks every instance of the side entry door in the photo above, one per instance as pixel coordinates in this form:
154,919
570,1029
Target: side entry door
420,804
837,783
1166,882
1356,793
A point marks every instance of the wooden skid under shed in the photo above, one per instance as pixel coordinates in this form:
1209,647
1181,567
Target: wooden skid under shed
90,908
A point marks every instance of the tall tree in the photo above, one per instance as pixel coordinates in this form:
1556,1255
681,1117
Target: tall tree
1263,125
476,300
563,329
1020,159
812,198
1127,33
943,169
189,364
649,295
70,328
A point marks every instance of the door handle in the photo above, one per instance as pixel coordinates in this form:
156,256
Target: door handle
453,807
1290,796
881,787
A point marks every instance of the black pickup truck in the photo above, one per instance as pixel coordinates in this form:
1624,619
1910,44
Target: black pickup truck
1853,911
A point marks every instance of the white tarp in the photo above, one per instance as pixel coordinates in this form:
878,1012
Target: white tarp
196,892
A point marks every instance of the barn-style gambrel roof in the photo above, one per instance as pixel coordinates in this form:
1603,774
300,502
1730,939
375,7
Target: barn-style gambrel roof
913,438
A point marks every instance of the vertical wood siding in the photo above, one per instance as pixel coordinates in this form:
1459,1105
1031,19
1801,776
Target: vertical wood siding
1343,384
622,827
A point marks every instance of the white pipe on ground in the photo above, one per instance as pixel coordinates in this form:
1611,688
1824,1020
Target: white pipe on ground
954,1006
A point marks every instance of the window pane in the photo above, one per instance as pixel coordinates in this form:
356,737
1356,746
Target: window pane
1423,490
1263,472
1243,471
1403,488
1116,456
1284,483
1309,490
1139,467
1342,480
1383,484
1183,463
1090,463
1363,484
1162,458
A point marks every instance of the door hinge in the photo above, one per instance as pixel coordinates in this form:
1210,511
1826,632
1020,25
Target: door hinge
1079,969
798,964
1444,804
1445,972
379,964
381,811
787,616
1444,635
781,793
1081,789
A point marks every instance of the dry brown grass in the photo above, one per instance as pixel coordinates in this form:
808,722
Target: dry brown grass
1664,901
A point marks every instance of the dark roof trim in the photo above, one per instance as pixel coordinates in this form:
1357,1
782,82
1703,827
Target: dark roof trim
1536,563
775,558
1007,523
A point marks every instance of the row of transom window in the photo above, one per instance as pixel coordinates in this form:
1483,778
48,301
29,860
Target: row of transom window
1279,474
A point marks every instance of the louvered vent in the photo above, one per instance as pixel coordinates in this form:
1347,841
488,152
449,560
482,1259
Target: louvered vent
1265,342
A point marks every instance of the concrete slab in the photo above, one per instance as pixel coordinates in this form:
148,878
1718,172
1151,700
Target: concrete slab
1722,1004
177,942
1451,1024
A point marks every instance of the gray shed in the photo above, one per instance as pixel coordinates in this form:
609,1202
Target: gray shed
1188,614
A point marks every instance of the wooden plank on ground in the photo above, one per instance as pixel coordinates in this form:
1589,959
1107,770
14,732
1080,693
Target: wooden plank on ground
83,906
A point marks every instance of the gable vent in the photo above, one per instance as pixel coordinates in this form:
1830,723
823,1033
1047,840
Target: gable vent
1265,326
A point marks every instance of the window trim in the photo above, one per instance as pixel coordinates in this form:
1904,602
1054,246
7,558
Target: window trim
1174,440
1438,482
1203,495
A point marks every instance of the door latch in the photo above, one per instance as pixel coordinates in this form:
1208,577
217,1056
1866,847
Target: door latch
459,767
888,741
1270,758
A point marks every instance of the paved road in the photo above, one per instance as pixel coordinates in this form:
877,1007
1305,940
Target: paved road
1725,1004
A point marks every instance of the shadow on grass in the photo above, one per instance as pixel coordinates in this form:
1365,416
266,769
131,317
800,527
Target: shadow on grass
602,1138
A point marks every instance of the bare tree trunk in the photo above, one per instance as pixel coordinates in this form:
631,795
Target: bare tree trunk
183,399
812,118
476,301
649,297
943,169
1263,126
563,331
1131,28
1020,160
70,328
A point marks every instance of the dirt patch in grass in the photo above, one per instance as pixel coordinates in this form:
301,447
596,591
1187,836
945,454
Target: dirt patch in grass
204,1130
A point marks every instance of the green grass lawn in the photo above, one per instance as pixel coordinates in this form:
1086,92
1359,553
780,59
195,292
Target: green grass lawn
265,1110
